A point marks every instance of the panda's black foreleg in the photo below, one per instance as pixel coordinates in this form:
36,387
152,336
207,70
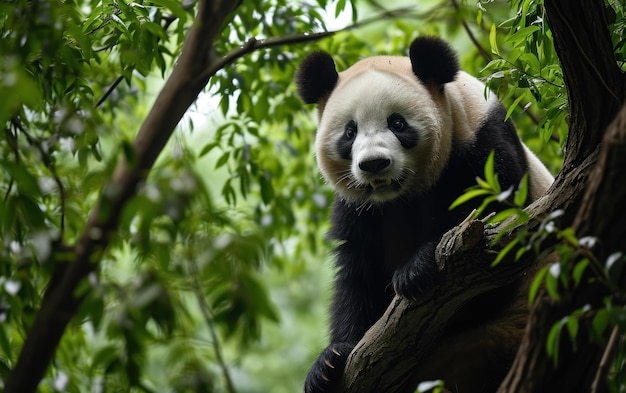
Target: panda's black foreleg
327,370
419,274
359,299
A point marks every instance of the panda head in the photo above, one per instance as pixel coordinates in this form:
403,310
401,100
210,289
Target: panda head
383,131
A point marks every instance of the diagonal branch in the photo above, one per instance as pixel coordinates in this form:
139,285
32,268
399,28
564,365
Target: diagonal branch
387,356
61,301
256,44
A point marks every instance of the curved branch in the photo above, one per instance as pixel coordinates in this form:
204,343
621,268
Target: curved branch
253,44
60,301
387,356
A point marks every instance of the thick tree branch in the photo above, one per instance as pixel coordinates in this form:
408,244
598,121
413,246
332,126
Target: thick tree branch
61,301
386,358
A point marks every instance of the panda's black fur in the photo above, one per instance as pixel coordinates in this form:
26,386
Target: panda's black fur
387,227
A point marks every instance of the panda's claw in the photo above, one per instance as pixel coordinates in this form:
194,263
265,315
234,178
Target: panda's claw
326,372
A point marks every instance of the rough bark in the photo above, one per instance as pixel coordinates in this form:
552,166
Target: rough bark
385,359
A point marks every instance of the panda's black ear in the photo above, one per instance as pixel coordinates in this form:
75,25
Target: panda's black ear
316,77
433,60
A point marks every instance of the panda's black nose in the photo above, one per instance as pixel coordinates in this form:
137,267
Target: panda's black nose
374,166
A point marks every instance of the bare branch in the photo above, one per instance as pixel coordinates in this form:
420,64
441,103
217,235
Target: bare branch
207,314
253,44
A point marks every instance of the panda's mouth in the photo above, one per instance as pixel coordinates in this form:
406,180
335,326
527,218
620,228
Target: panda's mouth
380,183
383,185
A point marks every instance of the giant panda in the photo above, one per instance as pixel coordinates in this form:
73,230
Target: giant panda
399,139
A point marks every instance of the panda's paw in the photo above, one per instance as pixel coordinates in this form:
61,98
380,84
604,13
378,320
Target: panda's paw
326,372
411,282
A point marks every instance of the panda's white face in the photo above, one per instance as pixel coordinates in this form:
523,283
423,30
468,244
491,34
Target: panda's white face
380,138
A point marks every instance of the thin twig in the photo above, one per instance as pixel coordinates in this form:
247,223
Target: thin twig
483,52
205,309
254,44
109,91
599,381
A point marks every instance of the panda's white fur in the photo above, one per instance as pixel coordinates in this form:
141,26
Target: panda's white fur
540,179
462,110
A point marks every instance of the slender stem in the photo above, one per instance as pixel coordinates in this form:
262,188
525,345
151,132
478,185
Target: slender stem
599,381
109,91
205,309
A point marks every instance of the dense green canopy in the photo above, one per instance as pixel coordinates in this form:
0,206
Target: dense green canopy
206,268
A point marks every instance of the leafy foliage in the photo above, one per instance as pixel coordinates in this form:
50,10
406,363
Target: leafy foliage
212,281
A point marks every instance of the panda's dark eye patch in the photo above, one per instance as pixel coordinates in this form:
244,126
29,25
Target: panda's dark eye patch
344,144
350,130
397,123
406,134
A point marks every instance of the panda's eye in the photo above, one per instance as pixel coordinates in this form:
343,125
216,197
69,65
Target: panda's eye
396,122
350,130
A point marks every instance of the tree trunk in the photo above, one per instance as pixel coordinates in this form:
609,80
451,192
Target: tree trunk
594,82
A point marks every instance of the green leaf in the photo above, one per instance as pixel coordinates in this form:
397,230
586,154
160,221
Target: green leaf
207,148
5,344
175,7
267,191
467,196
552,280
532,63
572,329
536,284
512,107
222,160
484,185
493,40
490,175
104,357
503,253
553,341
522,192
503,215
521,35
579,270
600,323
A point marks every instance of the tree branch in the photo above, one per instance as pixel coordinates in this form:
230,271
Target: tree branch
386,358
253,44
61,301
